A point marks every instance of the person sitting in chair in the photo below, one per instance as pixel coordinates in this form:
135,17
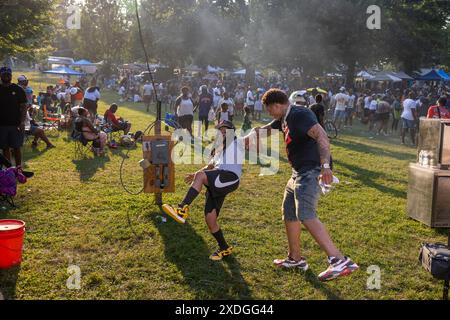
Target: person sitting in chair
90,133
117,124
33,128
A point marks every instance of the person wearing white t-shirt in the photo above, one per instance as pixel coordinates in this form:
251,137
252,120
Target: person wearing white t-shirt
350,110
367,100
239,98
185,110
217,95
409,117
91,97
258,104
372,111
148,94
224,114
250,102
341,101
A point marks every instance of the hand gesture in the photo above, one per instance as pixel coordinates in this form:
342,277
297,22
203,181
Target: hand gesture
189,178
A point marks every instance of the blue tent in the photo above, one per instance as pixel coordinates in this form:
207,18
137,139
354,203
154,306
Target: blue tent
444,75
83,63
64,71
433,75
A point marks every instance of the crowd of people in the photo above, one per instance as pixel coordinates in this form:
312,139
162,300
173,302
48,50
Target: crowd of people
70,106
389,112
384,111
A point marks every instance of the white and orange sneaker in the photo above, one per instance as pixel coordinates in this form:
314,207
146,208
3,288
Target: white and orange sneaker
338,268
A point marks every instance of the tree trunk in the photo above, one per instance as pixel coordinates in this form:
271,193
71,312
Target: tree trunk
250,74
350,77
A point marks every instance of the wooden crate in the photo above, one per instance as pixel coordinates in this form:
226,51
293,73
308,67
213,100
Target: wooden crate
150,173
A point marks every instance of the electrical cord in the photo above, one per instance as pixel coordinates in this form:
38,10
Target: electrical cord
151,125
123,162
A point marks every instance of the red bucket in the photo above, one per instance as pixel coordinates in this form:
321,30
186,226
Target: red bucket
11,242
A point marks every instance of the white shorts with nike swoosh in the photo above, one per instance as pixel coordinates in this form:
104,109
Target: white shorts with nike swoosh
220,183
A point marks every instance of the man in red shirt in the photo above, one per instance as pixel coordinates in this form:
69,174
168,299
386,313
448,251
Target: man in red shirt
117,123
439,111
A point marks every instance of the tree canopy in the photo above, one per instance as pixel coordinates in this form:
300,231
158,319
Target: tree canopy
315,36
25,26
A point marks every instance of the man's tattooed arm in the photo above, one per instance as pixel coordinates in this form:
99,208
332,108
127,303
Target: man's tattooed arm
319,134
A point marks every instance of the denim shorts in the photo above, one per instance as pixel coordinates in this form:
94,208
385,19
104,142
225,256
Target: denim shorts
349,112
408,124
339,115
301,197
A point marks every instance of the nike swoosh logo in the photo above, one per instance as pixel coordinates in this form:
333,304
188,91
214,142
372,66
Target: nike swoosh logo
219,184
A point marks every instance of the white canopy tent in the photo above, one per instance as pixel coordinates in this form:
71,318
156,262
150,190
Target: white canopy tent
214,69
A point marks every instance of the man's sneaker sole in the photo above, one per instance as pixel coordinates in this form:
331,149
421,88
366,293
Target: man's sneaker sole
334,275
170,211
281,264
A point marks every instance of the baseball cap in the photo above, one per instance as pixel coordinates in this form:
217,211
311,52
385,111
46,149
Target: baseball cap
342,89
297,97
22,78
226,124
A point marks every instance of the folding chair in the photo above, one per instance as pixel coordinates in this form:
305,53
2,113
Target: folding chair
81,145
8,200
50,120
107,127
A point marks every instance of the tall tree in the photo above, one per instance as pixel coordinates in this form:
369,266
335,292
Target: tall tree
104,32
25,26
415,32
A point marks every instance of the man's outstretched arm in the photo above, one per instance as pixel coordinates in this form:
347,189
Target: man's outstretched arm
323,143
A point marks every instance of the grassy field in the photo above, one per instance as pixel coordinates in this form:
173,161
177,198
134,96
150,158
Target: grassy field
78,214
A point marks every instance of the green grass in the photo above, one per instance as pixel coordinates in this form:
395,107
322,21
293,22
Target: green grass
78,214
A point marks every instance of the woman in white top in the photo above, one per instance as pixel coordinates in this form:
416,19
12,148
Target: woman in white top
230,103
91,97
185,110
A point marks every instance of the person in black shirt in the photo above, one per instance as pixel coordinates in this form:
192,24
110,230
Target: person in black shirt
308,151
13,108
206,102
319,110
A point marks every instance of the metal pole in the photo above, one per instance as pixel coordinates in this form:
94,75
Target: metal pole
446,283
158,196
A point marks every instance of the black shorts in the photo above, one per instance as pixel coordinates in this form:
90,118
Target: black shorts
220,183
91,106
11,137
186,121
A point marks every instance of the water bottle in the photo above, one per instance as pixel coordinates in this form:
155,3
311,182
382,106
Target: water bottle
161,219
431,159
426,159
421,158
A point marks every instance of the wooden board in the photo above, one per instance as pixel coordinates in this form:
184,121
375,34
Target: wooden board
149,174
